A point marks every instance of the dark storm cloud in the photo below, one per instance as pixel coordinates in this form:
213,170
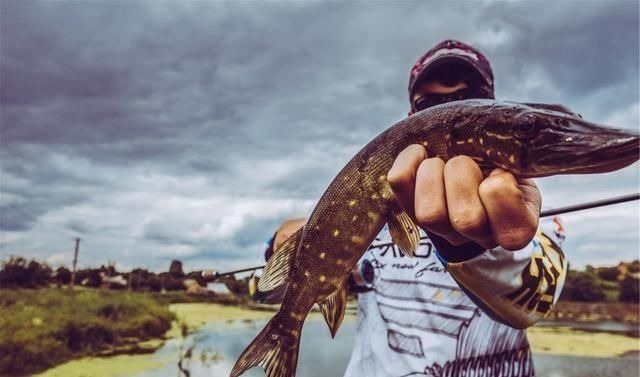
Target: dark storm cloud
17,218
99,81
588,51
136,109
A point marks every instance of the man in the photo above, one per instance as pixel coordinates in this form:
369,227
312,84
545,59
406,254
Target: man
478,276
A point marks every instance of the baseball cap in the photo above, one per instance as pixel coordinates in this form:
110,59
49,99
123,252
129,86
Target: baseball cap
447,52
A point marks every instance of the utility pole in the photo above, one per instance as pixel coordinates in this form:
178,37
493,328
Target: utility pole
75,262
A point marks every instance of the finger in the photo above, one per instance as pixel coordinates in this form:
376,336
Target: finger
431,202
402,175
511,208
467,215
532,197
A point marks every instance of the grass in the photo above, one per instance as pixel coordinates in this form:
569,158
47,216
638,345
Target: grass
565,341
121,365
193,315
559,341
45,327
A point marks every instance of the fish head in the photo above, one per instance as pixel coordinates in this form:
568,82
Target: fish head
537,142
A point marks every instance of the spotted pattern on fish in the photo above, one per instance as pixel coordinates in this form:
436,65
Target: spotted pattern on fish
529,140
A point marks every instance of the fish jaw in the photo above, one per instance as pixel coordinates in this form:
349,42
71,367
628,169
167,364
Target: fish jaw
540,141
584,148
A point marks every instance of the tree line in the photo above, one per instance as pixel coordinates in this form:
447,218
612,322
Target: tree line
593,284
596,284
19,272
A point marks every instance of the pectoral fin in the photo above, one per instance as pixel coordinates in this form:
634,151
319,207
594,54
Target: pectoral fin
404,232
333,308
278,268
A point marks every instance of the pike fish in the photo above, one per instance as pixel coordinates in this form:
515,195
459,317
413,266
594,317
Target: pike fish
530,140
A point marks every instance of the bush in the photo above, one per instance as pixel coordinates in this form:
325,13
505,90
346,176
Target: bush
608,273
170,283
45,327
630,290
88,278
63,275
18,272
582,286
175,269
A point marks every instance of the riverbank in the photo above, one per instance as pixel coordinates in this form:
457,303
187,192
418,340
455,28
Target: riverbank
189,317
196,315
560,340
40,328
544,340
595,312
571,342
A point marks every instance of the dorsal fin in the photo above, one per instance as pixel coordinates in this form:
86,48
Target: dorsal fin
333,308
404,231
278,268
553,107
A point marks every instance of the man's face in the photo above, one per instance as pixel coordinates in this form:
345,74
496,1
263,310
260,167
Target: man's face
435,92
435,86
446,83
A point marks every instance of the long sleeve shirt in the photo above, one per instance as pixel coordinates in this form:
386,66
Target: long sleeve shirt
427,316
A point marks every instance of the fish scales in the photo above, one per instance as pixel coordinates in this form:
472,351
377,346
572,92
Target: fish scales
530,140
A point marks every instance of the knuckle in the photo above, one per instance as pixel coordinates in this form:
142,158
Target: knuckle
399,178
464,169
499,185
470,222
432,218
430,170
515,238
416,150
434,162
460,161
404,168
463,163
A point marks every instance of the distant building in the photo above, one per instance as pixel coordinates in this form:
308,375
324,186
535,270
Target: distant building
109,282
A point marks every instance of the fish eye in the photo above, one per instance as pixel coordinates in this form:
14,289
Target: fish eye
525,130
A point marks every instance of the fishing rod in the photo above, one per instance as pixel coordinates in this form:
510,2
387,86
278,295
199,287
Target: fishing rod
213,275
594,204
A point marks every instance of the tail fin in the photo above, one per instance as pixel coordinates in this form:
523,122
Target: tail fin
274,349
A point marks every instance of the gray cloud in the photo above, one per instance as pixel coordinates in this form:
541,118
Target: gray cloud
190,130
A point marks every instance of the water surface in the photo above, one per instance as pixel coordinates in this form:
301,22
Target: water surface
214,349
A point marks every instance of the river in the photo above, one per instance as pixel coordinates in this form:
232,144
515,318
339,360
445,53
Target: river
213,349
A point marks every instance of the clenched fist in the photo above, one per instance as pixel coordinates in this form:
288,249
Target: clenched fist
457,202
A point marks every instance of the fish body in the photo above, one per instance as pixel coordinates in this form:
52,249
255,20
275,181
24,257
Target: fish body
528,140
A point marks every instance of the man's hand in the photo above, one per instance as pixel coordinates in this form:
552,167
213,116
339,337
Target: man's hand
286,230
455,201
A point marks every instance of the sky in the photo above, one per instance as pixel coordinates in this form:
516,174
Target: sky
156,131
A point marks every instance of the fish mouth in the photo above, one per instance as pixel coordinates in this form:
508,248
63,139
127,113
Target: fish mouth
608,156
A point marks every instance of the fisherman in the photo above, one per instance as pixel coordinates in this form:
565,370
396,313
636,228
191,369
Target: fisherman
416,316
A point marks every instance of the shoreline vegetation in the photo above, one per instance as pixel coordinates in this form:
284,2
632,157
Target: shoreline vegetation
86,332
41,328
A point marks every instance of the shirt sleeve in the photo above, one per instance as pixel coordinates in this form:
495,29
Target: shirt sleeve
515,288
